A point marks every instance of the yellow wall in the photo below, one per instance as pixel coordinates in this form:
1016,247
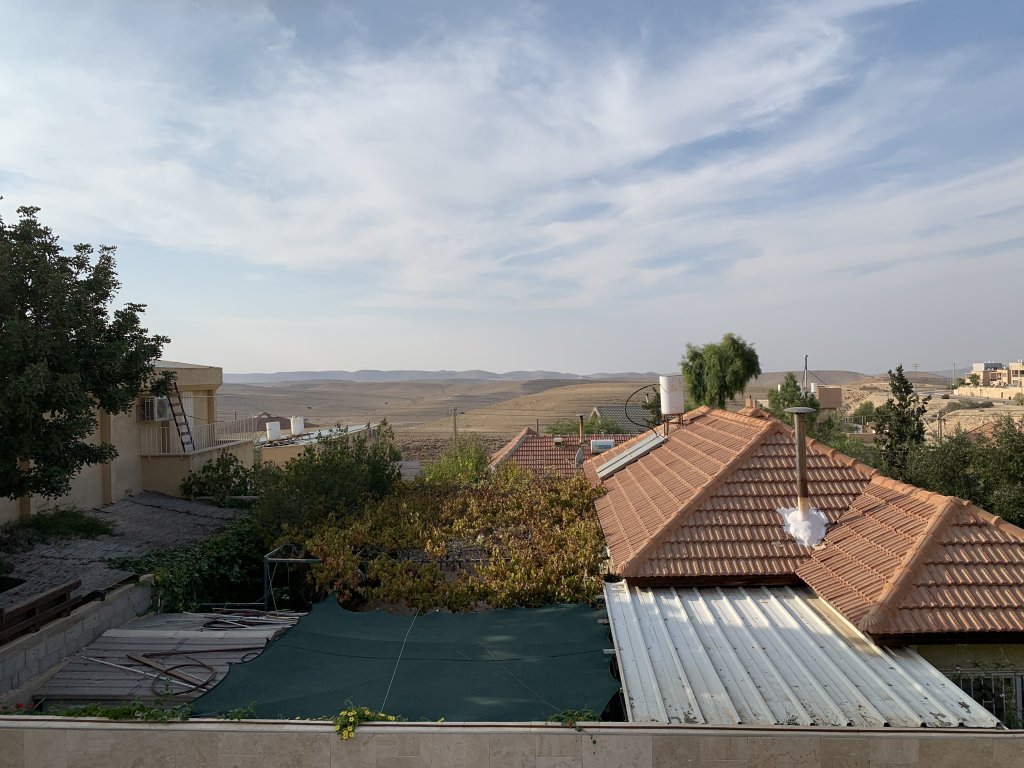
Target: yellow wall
975,656
995,393
129,473
165,473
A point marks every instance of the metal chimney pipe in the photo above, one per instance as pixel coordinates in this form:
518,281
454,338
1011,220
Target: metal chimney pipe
802,494
580,417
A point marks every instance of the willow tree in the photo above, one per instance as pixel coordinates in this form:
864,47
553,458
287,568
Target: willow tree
717,372
64,353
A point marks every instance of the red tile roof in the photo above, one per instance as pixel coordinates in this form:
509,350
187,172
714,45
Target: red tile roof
704,505
903,561
549,454
897,561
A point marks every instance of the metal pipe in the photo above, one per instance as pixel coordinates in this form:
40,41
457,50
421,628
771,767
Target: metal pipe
802,494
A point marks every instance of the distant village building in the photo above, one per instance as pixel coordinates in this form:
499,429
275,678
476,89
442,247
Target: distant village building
992,374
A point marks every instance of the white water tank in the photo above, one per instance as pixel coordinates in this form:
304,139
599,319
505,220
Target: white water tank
673,394
273,430
298,425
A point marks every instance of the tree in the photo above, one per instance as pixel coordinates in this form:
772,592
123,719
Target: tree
465,461
595,425
715,373
791,395
975,379
864,413
63,354
652,405
328,482
986,470
899,424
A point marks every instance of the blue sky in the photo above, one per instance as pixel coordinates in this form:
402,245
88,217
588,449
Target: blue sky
578,186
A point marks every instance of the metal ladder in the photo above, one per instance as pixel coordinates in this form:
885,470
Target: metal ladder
188,444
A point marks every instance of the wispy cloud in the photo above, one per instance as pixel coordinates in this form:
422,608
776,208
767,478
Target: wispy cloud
489,168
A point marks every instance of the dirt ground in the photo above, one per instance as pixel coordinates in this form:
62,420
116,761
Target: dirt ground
421,412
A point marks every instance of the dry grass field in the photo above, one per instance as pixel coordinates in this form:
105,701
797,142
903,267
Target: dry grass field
495,410
421,412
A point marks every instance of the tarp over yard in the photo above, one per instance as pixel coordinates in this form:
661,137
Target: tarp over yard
503,665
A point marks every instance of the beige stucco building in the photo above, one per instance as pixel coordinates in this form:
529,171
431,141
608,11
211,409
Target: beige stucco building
152,453
998,374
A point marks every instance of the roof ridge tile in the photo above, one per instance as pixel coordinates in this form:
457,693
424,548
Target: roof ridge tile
879,618
510,446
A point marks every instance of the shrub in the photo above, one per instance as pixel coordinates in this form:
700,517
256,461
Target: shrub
222,478
511,540
464,461
328,482
58,523
227,567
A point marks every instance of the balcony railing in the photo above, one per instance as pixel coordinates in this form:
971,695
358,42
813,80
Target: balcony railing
161,438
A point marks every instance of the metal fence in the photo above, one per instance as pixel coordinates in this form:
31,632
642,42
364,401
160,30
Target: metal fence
161,438
1001,693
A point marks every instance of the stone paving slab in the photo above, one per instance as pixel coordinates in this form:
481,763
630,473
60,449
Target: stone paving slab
141,523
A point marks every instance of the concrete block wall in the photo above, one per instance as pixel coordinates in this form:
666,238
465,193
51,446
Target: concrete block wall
35,742
32,655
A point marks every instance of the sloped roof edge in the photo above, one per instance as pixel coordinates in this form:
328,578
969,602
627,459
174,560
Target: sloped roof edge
878,618
502,453
628,568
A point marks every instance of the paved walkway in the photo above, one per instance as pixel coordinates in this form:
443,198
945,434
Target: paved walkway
141,523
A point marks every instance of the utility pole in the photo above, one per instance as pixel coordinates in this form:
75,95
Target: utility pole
805,373
916,365
455,422
952,382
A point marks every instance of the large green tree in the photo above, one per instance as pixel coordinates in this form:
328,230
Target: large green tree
595,425
64,352
791,395
987,470
899,424
717,372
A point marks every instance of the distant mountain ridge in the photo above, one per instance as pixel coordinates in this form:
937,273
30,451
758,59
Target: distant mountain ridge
380,377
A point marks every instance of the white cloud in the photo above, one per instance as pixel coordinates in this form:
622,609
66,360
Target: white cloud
445,173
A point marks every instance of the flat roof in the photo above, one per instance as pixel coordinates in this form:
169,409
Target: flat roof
769,656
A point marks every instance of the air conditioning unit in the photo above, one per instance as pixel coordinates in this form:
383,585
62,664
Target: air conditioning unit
156,409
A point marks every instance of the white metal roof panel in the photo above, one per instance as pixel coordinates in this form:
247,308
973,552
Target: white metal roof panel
769,656
638,450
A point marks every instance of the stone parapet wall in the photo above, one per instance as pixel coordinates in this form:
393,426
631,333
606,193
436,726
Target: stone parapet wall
35,742
26,658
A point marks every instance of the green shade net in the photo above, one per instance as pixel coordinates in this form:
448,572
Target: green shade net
506,665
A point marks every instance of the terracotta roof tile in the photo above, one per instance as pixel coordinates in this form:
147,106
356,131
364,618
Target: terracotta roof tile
897,561
542,454
705,503
948,567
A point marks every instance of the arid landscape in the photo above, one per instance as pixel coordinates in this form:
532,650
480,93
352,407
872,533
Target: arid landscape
496,409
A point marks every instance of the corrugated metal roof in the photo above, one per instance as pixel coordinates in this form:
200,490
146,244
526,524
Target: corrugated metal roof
769,656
